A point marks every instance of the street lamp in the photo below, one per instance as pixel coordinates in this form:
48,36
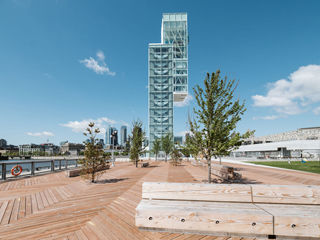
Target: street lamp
113,136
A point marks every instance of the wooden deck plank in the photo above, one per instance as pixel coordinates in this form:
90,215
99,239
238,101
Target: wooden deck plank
34,203
49,199
44,199
96,231
7,214
53,197
39,201
58,195
22,209
28,205
3,209
80,235
15,210
89,234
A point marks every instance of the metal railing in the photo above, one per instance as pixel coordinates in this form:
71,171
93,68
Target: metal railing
53,165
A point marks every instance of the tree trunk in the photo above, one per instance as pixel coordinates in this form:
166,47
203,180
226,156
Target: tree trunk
166,158
156,157
220,159
137,162
92,177
209,170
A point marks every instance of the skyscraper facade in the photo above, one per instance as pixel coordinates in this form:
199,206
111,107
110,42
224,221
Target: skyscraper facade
109,139
168,73
123,135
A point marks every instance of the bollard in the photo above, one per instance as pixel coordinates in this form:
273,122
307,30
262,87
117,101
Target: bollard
66,163
59,164
32,168
4,171
52,165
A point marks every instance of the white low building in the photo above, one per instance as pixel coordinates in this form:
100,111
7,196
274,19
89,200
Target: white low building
304,142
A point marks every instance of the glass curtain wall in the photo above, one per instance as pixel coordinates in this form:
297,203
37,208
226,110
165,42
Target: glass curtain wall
160,91
168,73
175,32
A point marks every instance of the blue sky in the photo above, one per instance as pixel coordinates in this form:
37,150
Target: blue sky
65,63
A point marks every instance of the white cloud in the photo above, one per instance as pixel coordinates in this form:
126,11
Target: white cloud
185,102
316,111
290,96
100,55
47,75
43,134
183,133
124,123
147,86
100,123
267,117
99,66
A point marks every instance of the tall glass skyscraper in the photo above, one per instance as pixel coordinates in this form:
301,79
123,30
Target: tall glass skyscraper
109,139
168,73
123,135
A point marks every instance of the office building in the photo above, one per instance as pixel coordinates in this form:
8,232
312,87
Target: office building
109,138
178,139
123,135
303,142
168,74
101,141
3,143
72,148
62,143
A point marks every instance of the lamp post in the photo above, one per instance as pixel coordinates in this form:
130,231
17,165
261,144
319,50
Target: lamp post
113,137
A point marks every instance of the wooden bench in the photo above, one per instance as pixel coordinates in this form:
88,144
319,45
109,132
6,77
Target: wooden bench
145,164
225,172
76,172
263,211
197,163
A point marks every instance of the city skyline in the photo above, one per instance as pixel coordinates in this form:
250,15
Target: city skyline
65,64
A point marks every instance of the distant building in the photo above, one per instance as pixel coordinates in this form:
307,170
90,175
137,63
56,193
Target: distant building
101,141
109,139
62,143
31,147
3,143
299,143
72,148
123,135
50,148
178,139
89,140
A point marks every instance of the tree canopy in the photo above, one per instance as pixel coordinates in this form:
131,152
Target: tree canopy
137,138
94,160
213,125
156,147
167,144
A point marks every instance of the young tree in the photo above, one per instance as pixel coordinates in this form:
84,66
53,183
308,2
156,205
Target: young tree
137,138
93,160
175,156
189,149
214,126
156,147
167,144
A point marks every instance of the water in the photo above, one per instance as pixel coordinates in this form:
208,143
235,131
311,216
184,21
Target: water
26,167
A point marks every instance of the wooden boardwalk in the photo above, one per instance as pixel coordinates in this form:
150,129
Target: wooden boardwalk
55,207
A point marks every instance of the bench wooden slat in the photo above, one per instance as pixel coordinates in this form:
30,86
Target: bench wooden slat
203,216
286,194
305,218
200,192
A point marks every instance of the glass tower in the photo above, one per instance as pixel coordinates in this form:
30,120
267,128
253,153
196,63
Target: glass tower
168,74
